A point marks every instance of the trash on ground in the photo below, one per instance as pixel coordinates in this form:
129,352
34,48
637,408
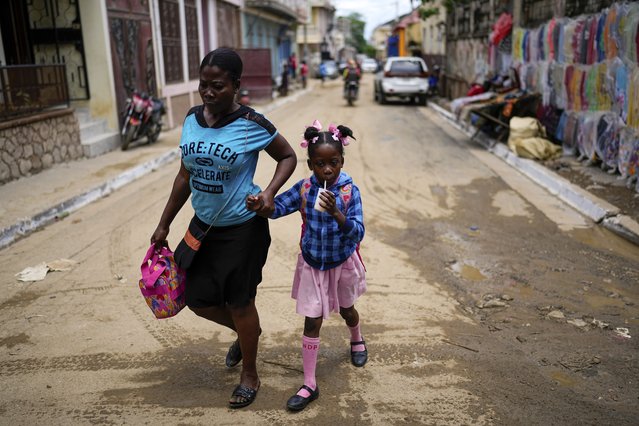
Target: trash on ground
623,332
39,271
556,315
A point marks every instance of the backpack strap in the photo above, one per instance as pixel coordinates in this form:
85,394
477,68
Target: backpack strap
304,188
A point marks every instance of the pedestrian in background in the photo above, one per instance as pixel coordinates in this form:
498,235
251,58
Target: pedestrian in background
292,65
304,73
322,71
221,141
284,80
330,275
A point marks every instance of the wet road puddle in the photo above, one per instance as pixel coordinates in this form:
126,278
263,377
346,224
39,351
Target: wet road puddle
468,272
563,379
597,301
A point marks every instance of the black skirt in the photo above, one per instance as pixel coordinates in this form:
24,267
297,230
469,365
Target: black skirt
228,267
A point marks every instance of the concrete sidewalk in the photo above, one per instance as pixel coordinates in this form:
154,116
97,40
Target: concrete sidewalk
591,206
30,203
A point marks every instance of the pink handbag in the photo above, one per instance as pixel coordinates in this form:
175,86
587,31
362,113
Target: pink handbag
162,283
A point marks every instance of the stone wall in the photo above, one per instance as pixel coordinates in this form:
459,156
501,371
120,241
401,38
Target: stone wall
32,144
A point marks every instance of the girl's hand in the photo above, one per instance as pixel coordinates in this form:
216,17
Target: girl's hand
262,204
328,202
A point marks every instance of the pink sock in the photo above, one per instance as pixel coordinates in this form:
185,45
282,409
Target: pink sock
310,349
356,336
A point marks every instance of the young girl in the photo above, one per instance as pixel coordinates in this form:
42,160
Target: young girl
330,275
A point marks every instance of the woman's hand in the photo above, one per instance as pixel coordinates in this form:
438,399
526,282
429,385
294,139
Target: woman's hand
261,203
159,236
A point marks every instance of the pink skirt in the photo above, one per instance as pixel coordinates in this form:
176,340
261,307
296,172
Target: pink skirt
318,293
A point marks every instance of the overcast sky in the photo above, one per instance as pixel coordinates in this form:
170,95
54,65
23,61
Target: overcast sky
375,12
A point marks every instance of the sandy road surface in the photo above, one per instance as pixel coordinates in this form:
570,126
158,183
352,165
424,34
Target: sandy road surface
449,228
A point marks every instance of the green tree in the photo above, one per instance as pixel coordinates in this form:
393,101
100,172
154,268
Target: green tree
356,37
427,9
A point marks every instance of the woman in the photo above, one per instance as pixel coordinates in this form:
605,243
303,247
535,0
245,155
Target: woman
220,145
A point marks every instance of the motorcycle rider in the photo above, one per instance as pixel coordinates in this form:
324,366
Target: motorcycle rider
351,74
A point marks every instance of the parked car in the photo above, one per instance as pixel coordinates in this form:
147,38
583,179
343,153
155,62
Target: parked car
404,78
369,65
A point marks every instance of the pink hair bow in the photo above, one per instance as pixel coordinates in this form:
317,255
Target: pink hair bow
337,135
318,126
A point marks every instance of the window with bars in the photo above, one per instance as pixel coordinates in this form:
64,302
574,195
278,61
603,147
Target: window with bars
536,12
482,22
192,39
171,40
579,7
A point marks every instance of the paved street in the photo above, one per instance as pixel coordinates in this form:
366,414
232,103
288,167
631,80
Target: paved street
489,301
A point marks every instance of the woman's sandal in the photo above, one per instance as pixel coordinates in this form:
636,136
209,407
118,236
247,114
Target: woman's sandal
243,392
359,358
298,403
234,355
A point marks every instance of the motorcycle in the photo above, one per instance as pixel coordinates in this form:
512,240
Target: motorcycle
244,98
350,93
142,117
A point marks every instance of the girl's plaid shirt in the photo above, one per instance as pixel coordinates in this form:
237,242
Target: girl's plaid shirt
324,243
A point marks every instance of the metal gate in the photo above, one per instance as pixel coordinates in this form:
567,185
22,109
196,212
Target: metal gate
131,48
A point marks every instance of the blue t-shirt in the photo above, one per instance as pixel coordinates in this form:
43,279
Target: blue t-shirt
221,161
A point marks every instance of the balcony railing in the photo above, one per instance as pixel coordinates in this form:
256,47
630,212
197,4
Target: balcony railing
290,8
26,89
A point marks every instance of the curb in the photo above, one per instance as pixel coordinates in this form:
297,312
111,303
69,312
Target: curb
26,226
591,206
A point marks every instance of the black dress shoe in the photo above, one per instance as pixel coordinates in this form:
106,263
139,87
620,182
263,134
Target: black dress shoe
298,403
359,358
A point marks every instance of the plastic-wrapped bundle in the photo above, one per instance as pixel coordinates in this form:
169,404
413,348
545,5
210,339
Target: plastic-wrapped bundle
558,96
561,127
606,129
566,45
553,39
590,83
569,144
617,79
577,40
518,35
561,31
628,141
632,93
629,26
600,47
569,76
577,86
542,82
587,136
549,117
610,45
541,43
633,163
610,158
603,90
590,34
